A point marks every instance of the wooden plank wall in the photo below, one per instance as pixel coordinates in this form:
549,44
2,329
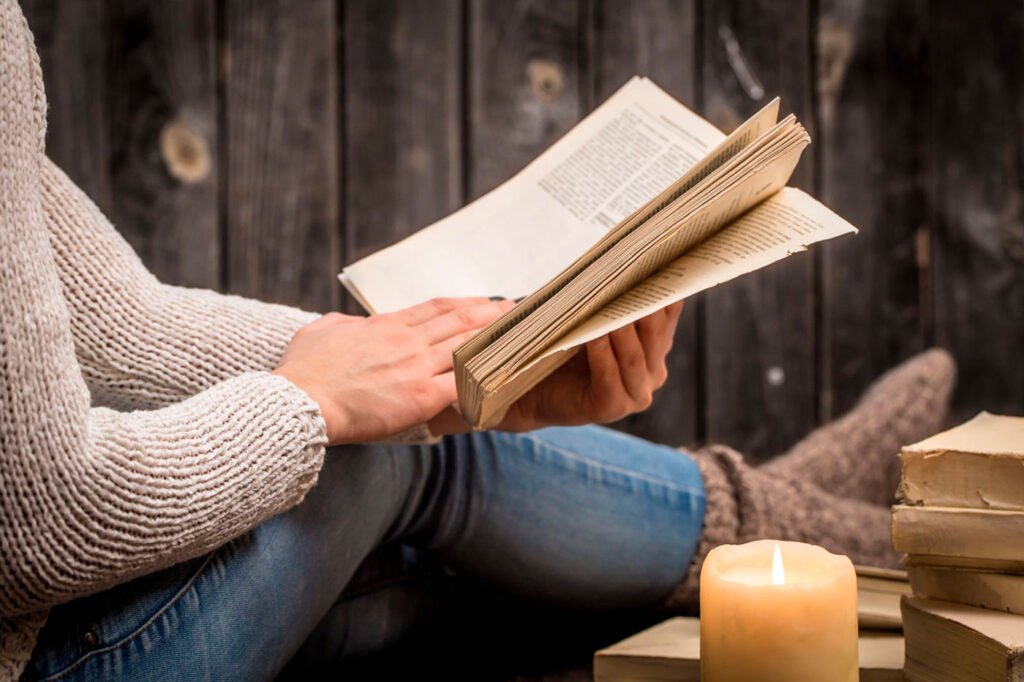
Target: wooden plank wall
256,147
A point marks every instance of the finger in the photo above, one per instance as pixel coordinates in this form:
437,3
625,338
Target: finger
655,334
605,379
447,393
441,354
428,310
629,354
461,320
657,342
673,311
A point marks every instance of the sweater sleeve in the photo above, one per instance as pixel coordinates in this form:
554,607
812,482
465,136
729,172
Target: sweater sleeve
141,343
144,344
90,497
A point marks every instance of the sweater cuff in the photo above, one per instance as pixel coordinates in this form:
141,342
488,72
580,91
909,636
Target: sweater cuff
217,464
300,422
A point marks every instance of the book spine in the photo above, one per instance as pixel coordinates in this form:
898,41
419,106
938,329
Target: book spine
996,591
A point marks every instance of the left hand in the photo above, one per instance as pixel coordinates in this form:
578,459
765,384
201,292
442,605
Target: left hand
616,376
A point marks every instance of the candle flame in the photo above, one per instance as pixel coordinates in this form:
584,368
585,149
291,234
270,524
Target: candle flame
778,572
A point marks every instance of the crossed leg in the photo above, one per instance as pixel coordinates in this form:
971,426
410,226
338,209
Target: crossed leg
576,518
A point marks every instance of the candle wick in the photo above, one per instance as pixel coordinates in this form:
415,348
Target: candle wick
778,571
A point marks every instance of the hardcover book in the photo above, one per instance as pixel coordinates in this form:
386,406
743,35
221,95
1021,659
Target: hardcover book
979,464
947,642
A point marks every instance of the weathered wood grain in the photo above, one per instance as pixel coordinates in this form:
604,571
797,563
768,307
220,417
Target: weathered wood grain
653,38
280,126
72,40
524,86
760,367
403,119
873,95
976,138
232,175
163,136
657,39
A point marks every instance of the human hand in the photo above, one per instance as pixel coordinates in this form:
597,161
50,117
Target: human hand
616,376
377,376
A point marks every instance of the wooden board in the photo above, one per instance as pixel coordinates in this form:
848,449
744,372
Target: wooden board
162,104
524,88
402,119
761,332
655,38
334,128
72,39
873,88
281,159
977,198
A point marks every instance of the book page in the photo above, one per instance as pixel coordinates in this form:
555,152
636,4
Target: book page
588,296
784,224
479,403
726,151
517,237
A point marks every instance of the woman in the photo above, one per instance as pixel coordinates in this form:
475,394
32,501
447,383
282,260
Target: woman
171,509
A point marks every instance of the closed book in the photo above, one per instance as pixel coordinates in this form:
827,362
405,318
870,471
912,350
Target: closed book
954,532
979,464
996,591
965,562
878,597
671,651
948,642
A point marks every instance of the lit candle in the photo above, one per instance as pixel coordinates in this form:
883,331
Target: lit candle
777,612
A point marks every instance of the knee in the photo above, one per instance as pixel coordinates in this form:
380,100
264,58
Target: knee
355,475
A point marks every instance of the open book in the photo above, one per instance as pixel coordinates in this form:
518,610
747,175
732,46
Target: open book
640,205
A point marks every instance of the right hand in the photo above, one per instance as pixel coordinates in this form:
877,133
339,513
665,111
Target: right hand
374,377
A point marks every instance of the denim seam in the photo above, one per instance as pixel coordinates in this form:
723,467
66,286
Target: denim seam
629,473
149,621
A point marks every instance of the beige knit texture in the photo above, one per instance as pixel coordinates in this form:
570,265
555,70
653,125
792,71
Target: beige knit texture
721,527
835,486
90,496
745,503
857,455
142,344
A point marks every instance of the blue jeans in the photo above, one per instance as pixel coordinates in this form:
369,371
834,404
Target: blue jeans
581,519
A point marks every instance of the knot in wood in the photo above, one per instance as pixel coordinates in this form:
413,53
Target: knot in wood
547,80
185,152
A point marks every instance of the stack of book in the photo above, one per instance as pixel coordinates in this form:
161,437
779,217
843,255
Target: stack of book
670,651
961,522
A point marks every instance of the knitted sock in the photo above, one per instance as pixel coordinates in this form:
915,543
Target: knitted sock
856,456
746,503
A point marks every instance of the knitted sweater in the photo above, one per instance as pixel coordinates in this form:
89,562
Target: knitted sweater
92,494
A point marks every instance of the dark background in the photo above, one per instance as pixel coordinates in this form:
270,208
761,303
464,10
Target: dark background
256,147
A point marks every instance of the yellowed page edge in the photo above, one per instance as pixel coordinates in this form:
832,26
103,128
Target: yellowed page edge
705,265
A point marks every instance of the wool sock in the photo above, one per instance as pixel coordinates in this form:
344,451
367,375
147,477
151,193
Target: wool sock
856,456
746,503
